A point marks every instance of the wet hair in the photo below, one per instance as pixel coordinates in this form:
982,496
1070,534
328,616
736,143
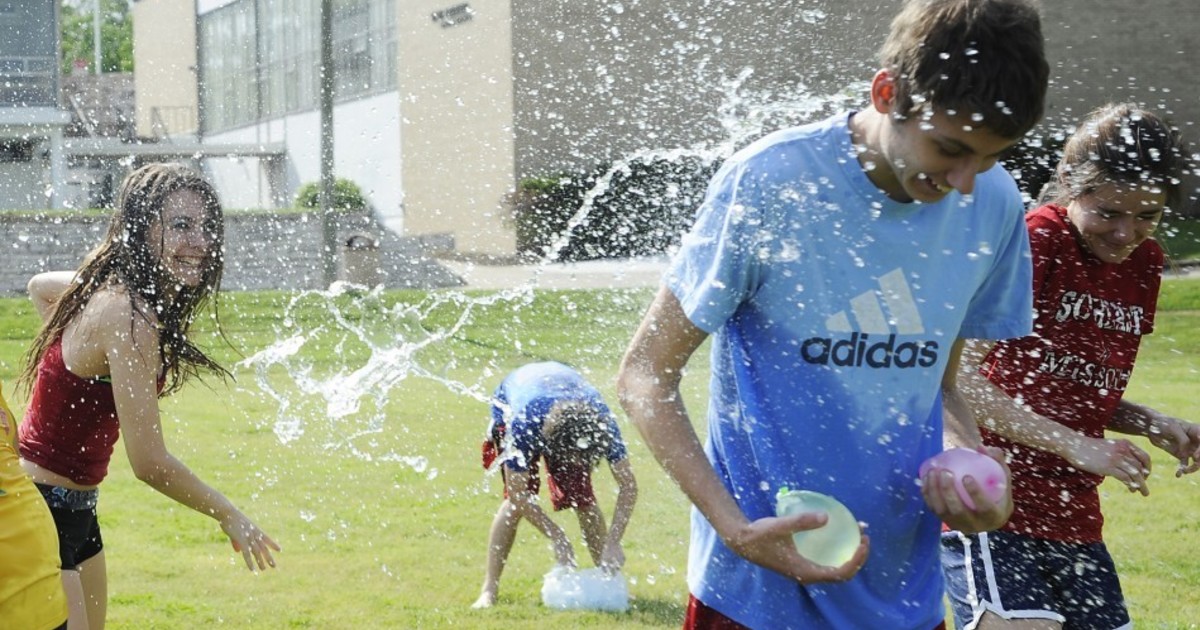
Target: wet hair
125,258
581,433
983,57
1119,144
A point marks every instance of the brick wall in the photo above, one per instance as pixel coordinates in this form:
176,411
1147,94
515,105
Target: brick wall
262,250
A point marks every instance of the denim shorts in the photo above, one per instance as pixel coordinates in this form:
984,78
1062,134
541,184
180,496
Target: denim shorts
1020,577
74,513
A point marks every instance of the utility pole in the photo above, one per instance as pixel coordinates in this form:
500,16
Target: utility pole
329,227
98,70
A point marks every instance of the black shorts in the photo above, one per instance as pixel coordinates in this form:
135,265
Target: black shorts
74,513
1021,577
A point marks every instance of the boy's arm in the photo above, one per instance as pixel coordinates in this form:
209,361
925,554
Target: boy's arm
959,423
961,429
613,557
648,386
526,504
1178,437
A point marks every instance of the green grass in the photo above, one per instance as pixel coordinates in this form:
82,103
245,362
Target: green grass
383,513
1180,238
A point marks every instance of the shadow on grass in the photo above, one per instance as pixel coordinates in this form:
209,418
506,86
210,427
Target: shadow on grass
657,612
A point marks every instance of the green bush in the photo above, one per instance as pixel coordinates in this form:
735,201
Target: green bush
640,208
347,197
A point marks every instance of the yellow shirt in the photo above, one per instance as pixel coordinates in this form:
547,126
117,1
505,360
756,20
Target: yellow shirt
31,594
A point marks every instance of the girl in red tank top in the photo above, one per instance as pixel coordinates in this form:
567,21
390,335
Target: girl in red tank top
114,339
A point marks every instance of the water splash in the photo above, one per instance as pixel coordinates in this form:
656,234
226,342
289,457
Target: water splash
349,396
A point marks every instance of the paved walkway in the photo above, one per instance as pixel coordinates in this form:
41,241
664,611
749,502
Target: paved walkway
592,274
601,274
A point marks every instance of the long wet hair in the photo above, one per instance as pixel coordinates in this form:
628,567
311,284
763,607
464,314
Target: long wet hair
1119,144
125,258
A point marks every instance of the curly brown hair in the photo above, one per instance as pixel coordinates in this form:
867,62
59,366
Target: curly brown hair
581,433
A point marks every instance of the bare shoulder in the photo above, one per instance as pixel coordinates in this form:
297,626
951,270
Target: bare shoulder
112,315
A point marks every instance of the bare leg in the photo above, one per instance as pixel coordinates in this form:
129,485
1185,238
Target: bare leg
500,541
76,609
595,532
991,621
93,575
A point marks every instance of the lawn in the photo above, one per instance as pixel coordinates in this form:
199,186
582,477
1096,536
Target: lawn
351,435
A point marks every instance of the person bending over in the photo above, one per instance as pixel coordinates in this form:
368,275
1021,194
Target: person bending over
547,413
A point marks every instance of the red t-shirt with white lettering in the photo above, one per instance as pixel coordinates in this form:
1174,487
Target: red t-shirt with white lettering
1073,369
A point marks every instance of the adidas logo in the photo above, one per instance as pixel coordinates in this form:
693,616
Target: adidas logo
863,350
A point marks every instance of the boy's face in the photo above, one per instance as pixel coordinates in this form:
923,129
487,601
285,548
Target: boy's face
926,156
929,152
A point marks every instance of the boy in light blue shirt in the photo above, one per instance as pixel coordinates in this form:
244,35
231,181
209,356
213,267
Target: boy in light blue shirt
839,265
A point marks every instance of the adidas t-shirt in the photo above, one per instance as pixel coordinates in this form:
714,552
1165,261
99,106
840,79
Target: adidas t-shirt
833,309
524,398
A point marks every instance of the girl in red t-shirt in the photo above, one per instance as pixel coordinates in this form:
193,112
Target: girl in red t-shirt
1049,398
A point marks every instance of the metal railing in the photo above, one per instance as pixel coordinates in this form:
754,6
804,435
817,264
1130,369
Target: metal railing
28,81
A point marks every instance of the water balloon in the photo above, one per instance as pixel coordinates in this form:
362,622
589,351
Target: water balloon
832,544
966,462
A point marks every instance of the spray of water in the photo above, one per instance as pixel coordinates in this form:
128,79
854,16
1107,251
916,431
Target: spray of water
395,338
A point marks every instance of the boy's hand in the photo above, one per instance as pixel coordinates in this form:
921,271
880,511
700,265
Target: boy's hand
612,558
937,487
564,553
768,542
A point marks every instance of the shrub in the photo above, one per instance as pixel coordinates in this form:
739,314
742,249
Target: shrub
347,197
639,208
1032,160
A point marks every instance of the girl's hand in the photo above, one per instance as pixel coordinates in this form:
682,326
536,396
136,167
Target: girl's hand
1179,438
246,538
1120,459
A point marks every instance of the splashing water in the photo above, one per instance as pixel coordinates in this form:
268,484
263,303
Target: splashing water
350,397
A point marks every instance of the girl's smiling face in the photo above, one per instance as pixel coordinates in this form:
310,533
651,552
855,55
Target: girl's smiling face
184,237
1114,219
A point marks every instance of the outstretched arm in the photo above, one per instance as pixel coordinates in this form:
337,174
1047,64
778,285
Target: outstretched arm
1120,459
613,556
527,506
1178,437
648,387
133,360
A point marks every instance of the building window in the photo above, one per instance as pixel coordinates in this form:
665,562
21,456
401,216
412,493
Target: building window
28,54
256,67
13,150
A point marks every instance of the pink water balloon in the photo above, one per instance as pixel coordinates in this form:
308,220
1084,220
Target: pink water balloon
963,462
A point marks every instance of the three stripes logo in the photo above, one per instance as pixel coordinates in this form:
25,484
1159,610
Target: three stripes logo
889,311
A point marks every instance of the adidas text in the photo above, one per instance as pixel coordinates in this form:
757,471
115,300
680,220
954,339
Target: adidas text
859,350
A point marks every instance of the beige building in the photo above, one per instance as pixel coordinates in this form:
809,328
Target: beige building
452,104
165,72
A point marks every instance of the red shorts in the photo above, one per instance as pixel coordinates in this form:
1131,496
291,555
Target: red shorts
701,617
570,484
